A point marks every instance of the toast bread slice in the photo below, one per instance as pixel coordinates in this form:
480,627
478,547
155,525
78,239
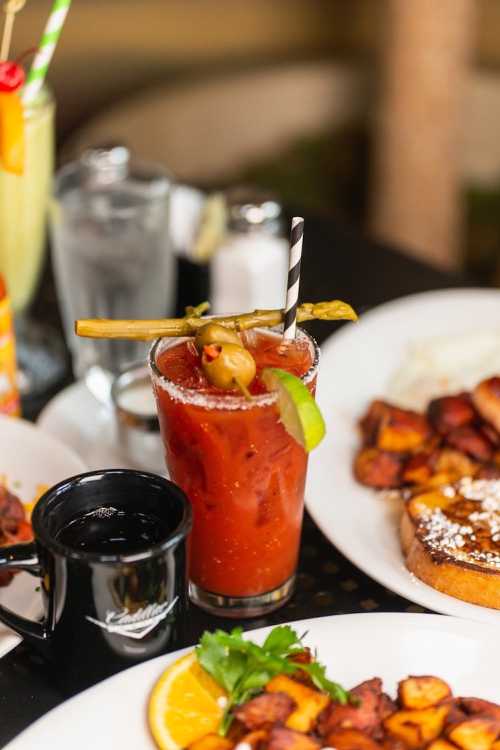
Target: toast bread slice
451,539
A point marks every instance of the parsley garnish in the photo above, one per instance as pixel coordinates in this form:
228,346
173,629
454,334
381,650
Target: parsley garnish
243,668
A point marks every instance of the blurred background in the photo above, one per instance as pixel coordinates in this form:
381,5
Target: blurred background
382,114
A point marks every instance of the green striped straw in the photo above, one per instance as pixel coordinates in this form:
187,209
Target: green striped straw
40,66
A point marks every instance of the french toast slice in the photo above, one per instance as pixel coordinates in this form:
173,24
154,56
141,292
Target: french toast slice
450,538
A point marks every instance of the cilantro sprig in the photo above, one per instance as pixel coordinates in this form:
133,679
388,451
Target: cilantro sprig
243,668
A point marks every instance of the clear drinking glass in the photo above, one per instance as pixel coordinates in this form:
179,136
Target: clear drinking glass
24,203
241,470
112,255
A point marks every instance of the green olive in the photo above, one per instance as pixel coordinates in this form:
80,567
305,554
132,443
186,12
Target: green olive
232,366
213,333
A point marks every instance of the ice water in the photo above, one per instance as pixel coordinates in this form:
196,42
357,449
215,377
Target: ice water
112,259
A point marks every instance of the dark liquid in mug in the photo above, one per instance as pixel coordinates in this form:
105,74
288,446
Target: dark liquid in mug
109,531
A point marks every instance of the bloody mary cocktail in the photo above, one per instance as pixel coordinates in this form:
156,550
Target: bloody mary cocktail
242,471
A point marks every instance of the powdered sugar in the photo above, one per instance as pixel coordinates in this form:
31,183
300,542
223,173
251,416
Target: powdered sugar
460,539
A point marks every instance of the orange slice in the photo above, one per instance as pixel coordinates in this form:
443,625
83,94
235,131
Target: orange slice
185,704
11,133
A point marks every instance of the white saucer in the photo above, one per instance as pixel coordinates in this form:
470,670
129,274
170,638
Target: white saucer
87,426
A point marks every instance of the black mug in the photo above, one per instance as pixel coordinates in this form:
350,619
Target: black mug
107,605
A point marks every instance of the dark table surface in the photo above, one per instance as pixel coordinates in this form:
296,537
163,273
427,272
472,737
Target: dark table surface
336,263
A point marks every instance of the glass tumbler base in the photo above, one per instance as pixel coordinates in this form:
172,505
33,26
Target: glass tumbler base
242,606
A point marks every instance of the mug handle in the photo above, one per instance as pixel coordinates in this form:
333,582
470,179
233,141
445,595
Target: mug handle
22,557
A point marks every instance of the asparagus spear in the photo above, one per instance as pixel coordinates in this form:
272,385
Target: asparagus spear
153,329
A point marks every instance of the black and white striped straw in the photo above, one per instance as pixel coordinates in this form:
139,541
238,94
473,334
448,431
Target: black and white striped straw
292,292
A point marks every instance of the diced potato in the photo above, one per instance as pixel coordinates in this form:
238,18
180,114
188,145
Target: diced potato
478,733
417,728
402,430
310,702
211,742
351,739
281,738
441,744
418,469
455,463
422,692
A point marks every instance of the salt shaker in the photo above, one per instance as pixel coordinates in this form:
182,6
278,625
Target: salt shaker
249,269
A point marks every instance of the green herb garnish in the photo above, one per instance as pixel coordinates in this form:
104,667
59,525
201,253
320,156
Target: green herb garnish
243,668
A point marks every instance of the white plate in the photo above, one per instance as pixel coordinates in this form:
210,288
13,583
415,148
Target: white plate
356,366
353,647
88,426
77,418
29,458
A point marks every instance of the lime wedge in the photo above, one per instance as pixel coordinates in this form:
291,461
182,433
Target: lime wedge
299,412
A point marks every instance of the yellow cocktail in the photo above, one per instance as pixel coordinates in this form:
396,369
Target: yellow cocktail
24,202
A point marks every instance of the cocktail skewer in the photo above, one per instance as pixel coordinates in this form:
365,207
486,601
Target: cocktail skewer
170,327
11,7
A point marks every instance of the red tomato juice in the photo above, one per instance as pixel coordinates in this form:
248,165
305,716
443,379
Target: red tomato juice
243,473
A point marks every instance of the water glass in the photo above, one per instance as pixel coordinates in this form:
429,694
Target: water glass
112,254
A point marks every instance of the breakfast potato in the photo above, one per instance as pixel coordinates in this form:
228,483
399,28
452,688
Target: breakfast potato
211,742
441,744
351,739
265,709
417,728
282,738
449,412
378,469
370,422
418,469
486,399
455,463
496,745
476,733
471,441
402,430
422,692
308,701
